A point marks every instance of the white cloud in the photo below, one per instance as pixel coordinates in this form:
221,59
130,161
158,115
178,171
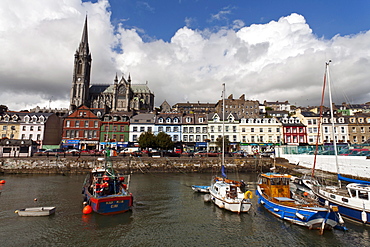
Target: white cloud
281,60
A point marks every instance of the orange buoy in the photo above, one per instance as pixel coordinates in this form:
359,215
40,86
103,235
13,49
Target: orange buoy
2,181
87,209
305,194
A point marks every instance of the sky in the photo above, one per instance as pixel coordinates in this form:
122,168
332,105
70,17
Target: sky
186,49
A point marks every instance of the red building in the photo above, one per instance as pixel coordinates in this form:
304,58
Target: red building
81,129
294,132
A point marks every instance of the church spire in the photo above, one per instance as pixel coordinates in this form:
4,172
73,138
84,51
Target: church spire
84,45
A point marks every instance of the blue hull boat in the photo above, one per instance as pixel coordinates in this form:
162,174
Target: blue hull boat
275,196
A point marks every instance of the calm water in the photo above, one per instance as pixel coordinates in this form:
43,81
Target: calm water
166,213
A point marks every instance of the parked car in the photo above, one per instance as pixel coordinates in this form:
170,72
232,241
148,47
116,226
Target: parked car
53,152
73,151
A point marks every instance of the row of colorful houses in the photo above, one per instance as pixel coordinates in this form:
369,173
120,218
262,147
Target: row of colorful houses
93,129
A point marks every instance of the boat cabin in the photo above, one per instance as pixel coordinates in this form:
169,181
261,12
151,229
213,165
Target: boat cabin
275,185
360,191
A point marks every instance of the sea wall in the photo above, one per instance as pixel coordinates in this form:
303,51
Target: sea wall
356,166
62,165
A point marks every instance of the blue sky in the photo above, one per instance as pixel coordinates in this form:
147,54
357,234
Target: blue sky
186,49
161,19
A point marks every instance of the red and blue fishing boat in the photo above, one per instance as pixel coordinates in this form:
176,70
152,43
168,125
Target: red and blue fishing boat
106,191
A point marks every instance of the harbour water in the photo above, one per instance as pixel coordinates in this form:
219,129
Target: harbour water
166,213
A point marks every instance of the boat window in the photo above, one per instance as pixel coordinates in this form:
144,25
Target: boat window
353,193
363,195
332,196
344,199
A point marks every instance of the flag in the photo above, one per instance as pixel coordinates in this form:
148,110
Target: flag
223,171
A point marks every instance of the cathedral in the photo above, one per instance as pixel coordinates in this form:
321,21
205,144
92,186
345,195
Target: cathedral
122,95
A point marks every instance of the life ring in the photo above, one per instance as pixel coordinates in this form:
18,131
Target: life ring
248,195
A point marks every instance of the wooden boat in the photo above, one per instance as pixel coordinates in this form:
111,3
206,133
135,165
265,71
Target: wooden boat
275,195
227,194
352,201
200,188
36,211
106,191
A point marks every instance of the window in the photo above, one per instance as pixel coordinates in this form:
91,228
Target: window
77,124
168,120
38,137
191,129
160,129
39,128
149,129
23,128
86,124
160,120
204,129
68,123
200,120
185,129
185,138
95,124
252,129
134,138
175,129
142,129
269,130
134,129
261,129
197,130
168,129
114,128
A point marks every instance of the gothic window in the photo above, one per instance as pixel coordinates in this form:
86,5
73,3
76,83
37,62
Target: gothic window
79,67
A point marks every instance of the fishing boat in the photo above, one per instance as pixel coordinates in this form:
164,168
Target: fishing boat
36,211
352,200
106,191
226,193
274,194
200,188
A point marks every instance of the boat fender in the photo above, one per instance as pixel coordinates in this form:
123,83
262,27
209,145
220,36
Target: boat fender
364,216
87,210
2,181
248,195
300,216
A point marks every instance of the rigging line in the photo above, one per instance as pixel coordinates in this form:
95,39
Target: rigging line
319,122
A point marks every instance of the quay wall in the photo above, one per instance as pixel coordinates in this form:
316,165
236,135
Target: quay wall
355,166
68,165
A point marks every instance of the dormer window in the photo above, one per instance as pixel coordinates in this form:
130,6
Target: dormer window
34,118
160,120
200,120
168,120
42,119
175,120
6,118
27,119
188,119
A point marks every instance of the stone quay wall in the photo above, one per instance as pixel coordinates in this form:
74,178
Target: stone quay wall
78,165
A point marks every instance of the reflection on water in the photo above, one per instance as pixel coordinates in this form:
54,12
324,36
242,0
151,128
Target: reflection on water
166,213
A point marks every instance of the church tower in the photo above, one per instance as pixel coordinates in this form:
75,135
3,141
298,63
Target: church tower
81,73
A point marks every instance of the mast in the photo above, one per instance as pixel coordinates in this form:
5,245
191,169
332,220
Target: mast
332,122
223,124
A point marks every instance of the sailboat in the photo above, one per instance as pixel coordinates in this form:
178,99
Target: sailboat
226,193
353,200
105,191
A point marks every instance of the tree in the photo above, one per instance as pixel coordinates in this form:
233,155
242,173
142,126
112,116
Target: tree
219,142
164,141
147,140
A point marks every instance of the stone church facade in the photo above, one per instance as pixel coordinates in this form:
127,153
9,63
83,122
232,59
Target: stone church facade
122,95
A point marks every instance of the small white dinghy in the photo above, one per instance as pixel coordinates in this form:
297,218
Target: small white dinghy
37,211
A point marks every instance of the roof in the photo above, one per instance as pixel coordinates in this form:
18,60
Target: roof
140,88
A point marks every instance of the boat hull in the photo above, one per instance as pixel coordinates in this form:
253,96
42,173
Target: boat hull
112,204
200,189
345,209
236,206
311,217
36,211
